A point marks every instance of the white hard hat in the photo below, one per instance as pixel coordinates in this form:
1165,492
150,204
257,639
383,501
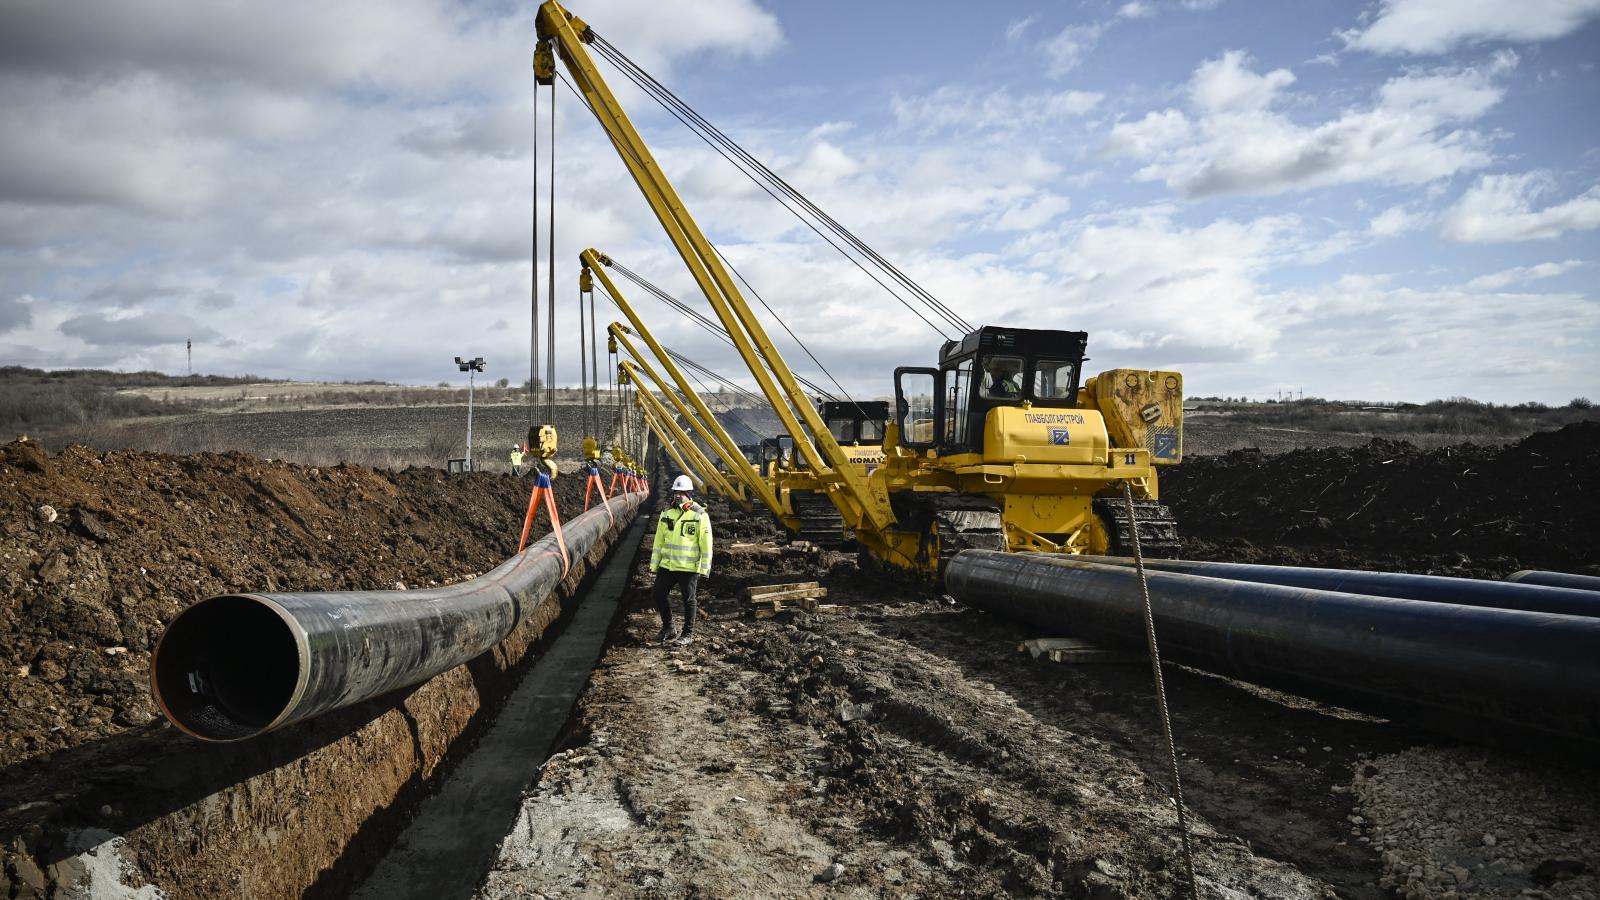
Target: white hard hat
682,483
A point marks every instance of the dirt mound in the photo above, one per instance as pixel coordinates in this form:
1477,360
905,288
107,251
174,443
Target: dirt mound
1466,510
99,550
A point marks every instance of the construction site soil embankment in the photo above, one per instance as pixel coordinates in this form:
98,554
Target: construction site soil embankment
102,549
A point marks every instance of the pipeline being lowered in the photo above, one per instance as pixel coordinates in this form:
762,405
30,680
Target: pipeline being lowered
236,666
1468,670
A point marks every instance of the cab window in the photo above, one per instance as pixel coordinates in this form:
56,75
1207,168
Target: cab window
1002,377
871,431
843,430
1052,379
958,385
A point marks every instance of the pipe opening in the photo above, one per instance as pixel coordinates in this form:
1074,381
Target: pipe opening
226,668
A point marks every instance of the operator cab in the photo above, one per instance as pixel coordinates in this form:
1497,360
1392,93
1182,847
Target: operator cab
776,451
945,408
856,422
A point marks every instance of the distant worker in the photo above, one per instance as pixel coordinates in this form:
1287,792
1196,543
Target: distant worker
1004,378
516,459
682,554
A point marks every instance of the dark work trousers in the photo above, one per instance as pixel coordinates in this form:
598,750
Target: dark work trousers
685,582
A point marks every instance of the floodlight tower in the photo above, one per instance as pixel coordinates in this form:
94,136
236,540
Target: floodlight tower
471,367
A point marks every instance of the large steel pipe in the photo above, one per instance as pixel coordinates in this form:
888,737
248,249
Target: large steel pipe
1458,668
1556,579
1532,597
238,665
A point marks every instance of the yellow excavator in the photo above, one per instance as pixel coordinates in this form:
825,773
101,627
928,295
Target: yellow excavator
1001,445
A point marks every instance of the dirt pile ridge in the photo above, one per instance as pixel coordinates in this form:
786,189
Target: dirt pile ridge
100,550
1466,510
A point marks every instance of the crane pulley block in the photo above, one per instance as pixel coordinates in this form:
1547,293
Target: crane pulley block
542,441
544,63
585,280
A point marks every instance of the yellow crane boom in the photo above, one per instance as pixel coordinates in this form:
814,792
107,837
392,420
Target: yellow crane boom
863,504
664,418
666,441
618,332
718,437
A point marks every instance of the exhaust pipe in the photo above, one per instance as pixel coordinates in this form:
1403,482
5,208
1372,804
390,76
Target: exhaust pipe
1454,668
236,666
1529,597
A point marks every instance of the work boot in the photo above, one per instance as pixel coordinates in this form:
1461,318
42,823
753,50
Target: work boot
684,639
666,634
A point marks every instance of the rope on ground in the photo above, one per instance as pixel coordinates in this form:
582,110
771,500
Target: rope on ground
1161,692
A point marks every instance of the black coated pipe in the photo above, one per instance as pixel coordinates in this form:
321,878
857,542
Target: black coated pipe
1556,579
239,665
1435,588
1459,668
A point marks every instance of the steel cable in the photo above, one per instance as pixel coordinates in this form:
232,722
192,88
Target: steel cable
1161,690
714,136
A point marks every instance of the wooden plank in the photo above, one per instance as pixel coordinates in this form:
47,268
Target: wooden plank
756,590
1038,647
1096,655
810,592
767,547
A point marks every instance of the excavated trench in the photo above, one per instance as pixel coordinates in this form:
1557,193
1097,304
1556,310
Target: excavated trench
90,807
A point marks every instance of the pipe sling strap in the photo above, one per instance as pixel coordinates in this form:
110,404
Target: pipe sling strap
594,483
542,488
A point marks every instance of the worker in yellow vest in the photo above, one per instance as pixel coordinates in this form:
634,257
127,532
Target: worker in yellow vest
682,554
516,459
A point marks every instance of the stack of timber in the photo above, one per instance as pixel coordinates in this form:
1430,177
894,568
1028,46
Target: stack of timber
767,600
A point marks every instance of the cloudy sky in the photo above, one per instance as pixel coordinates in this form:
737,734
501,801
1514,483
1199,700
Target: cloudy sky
1386,200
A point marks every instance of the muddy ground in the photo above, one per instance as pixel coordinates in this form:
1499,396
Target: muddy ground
904,747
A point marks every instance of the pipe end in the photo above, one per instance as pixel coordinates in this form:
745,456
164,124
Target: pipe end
227,668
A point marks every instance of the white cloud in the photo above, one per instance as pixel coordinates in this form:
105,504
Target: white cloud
1499,209
1224,85
964,107
1396,220
1521,275
15,313
1136,9
331,189
1503,347
1067,49
139,329
1233,139
1184,294
1438,26
1016,28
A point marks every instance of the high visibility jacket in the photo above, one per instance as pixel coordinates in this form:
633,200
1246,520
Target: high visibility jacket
683,541
516,457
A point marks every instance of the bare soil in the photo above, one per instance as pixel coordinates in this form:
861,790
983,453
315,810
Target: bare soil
902,747
905,747
127,540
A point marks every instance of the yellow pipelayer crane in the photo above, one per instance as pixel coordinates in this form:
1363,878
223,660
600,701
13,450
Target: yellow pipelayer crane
791,495
998,447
